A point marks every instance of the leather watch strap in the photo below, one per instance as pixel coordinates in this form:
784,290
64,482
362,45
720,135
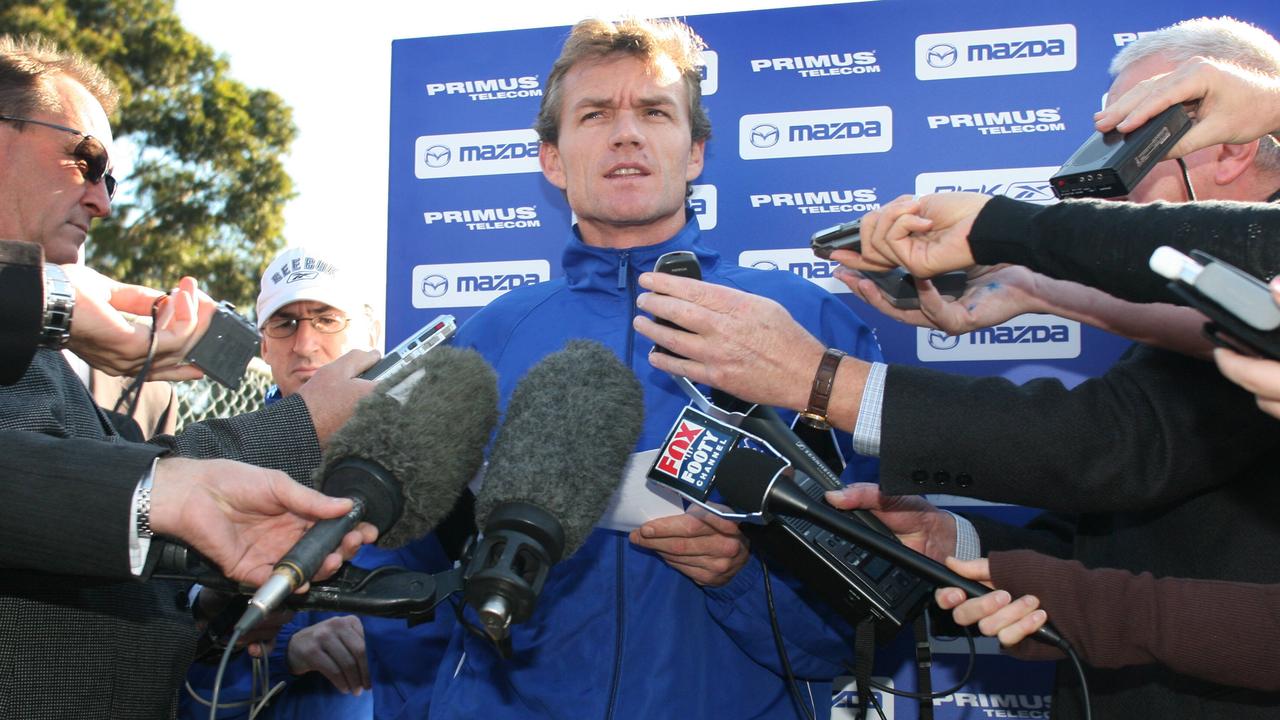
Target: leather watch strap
815,414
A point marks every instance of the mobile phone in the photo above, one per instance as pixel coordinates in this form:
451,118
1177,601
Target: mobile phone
428,336
845,236
897,285
1242,314
684,264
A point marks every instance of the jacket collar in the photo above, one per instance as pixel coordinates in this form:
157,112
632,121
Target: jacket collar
586,267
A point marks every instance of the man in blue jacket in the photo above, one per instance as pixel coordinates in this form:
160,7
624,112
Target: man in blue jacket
671,619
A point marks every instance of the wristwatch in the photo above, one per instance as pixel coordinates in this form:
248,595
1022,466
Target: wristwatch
59,302
815,415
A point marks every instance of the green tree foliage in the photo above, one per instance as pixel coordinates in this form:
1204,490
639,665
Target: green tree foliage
207,190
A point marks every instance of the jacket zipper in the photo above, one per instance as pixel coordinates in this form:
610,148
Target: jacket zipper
624,283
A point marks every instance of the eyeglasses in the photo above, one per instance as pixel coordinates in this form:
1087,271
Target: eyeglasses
89,152
284,327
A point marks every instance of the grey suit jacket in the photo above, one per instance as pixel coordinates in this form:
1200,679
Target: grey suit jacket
73,645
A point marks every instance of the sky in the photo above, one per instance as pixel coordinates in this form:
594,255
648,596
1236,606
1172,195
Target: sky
333,67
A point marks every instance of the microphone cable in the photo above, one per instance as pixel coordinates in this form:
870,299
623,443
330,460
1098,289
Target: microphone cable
222,669
793,685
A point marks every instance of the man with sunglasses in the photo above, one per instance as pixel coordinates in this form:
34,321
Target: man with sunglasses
75,645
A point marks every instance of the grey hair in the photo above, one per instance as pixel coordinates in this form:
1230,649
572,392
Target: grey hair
1224,39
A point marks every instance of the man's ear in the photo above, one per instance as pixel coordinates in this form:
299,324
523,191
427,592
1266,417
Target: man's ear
1233,160
552,167
697,156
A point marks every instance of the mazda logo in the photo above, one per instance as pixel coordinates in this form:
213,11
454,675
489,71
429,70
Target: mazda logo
437,156
942,56
764,136
435,286
939,340
765,265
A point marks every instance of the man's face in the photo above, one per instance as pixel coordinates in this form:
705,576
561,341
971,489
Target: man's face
43,196
624,153
1164,182
295,359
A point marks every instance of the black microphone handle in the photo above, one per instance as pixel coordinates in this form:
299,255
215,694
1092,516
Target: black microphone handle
306,556
786,498
764,422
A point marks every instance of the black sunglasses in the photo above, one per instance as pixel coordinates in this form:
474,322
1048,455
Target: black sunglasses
88,151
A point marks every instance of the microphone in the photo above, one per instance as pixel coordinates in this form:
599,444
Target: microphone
403,458
752,481
570,428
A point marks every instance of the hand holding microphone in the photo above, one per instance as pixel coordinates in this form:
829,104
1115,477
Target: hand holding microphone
403,459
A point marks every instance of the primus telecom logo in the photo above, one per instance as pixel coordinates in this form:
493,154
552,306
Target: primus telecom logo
704,203
507,218
473,284
998,705
501,152
1124,38
1026,184
1003,51
811,133
797,261
826,65
1026,337
820,202
508,88
1003,122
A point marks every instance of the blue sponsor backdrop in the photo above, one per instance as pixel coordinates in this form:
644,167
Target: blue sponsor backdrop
819,115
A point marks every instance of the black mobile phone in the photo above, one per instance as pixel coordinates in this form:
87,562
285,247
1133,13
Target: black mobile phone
897,285
845,236
428,336
1242,314
684,264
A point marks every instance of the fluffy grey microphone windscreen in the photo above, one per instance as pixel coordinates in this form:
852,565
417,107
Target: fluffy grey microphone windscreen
433,443
569,430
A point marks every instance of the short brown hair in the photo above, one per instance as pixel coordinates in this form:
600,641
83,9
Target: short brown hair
29,63
647,40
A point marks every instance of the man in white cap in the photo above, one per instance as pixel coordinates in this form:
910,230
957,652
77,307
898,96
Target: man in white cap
309,317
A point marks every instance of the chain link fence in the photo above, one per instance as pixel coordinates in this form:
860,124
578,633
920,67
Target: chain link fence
201,399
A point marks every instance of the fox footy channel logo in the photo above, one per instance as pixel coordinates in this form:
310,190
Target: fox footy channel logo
688,459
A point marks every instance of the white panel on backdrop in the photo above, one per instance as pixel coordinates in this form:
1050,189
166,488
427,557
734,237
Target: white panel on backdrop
1026,337
705,204
710,70
800,261
1004,51
453,285
1029,184
844,698
501,152
812,133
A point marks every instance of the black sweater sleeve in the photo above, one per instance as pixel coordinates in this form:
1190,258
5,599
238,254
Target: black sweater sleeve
1106,244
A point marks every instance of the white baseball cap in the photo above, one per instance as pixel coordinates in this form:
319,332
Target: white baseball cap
302,274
